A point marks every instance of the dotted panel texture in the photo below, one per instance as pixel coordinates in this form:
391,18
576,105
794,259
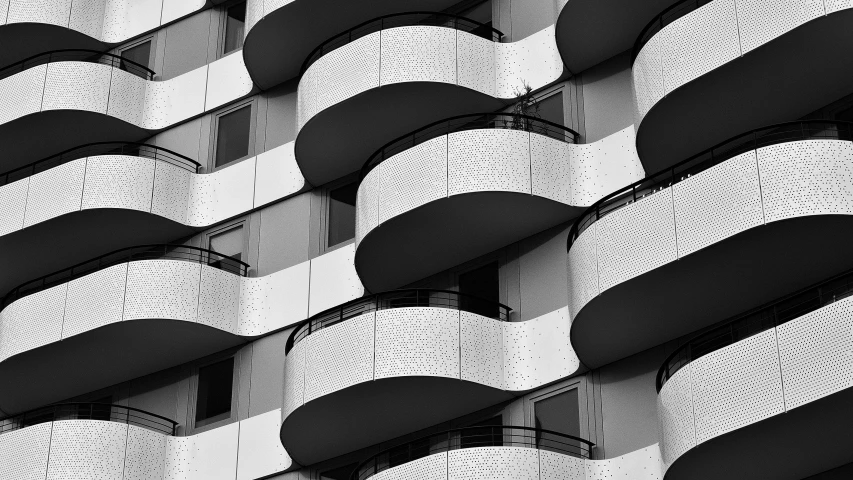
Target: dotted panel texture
254,13
171,192
602,167
294,377
433,467
77,86
811,177
95,300
675,414
227,80
277,175
128,18
118,181
538,351
717,203
475,63
340,356
534,61
21,94
174,100
23,453
418,54
736,386
13,203
338,75
52,12
44,309
55,192
482,349
488,160
219,299
833,6
699,42
274,301
90,449
550,168
583,270
760,21
127,97
87,16
643,464
647,77
367,205
556,466
413,178
222,194
178,458
493,463
417,342
816,352
146,454
260,450
167,289
636,239
333,280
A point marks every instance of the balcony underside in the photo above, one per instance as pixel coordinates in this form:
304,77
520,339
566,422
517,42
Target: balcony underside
31,39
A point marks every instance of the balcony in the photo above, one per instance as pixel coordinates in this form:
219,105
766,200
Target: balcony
756,384
459,188
393,75
438,353
705,70
674,252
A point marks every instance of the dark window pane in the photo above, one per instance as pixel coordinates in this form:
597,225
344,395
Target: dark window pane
559,413
342,214
489,433
484,284
341,473
235,22
845,115
213,399
139,54
232,135
551,109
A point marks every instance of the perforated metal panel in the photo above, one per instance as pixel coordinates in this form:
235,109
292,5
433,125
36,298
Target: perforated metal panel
254,13
717,203
433,467
145,455
333,280
760,21
538,351
127,18
340,356
294,377
23,453
635,239
475,63
55,192
45,309
647,78
816,352
675,416
174,100
227,80
277,175
127,97
261,452
166,289
736,386
171,192
534,61
583,270
52,12
13,202
811,177
604,166
482,349
4,11
21,94
833,6
118,181
178,453
90,449
413,178
418,54
643,464
557,466
417,341
367,205
77,86
219,299
223,194
87,16
550,168
493,463
95,300
274,301
488,160
213,454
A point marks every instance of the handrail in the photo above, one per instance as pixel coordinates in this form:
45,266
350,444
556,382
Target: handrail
89,411
755,321
129,254
78,55
752,140
396,299
473,437
666,17
101,148
405,19
461,123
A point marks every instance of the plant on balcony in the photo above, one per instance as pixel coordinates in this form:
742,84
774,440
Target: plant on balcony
525,106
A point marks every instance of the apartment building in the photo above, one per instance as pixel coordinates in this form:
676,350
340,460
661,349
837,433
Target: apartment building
431,239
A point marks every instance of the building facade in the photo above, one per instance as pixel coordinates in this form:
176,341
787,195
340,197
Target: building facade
433,239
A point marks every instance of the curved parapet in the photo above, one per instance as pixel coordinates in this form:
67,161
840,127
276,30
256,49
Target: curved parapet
439,353
727,57
673,253
463,187
392,81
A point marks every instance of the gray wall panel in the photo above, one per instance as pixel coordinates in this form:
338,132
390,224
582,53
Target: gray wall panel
542,261
157,393
187,45
607,99
284,235
183,139
267,373
281,115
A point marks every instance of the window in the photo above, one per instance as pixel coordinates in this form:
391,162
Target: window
140,53
233,132
229,243
484,285
559,413
551,109
214,392
341,221
235,25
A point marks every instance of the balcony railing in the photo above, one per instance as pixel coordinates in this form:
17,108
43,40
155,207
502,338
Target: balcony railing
756,321
89,411
408,19
753,140
666,17
397,299
159,154
462,123
142,252
90,56
472,437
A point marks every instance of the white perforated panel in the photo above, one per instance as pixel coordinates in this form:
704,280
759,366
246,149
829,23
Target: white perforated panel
55,192
118,181
95,300
178,458
90,449
538,351
167,289
254,13
277,175
175,9
127,97
433,467
127,18
53,12
760,21
413,178
174,100
340,356
77,86
675,416
21,94
220,195
647,78
475,63
274,301
604,166
219,299
294,377
557,466
87,16
643,464
833,6
23,453
146,454
417,341
45,309
367,205
418,54
534,61
488,160
227,80
333,280
171,192
583,270
13,202
493,463
482,349
261,452
717,203
550,168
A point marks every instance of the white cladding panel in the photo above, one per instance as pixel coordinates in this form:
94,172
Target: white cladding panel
556,466
488,160
533,61
87,16
213,454
413,178
340,356
90,449
493,463
52,12
222,194
333,280
145,454
219,299
274,301
647,77
23,453
261,452
538,351
127,97
175,9
21,94
95,300
482,349
604,166
178,450
277,175
432,467
675,416
167,289
550,168
475,63
294,377
227,80
174,100
77,86
417,54
124,19
45,309
13,203
171,192
367,205
643,464
118,181
760,21
55,192
583,269
417,341
833,6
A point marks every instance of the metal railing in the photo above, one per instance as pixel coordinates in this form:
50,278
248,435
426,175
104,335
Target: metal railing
130,254
89,411
666,17
407,19
397,299
89,56
159,154
753,140
461,123
755,321
472,437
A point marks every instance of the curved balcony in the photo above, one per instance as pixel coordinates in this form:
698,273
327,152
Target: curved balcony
758,382
287,31
71,97
404,72
673,253
439,353
706,71
465,186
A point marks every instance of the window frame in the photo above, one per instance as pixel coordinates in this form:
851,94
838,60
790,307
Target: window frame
192,428
226,227
251,103
223,29
577,383
325,206
152,52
